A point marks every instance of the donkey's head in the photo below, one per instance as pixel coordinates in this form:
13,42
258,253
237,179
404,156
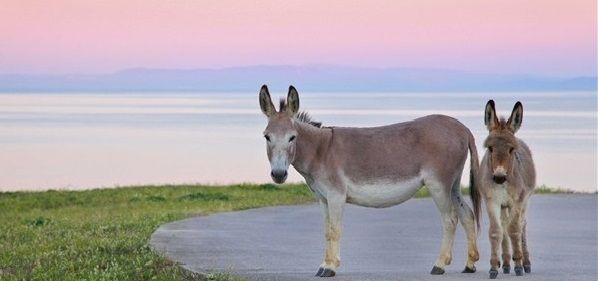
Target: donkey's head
501,142
280,134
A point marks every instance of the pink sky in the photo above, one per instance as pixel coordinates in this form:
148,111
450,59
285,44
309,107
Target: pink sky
506,36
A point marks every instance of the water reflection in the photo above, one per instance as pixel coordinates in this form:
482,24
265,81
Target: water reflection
94,140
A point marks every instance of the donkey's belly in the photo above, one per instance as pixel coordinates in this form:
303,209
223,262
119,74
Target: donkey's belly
384,193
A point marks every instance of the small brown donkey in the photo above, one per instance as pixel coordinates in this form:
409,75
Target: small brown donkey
507,179
375,167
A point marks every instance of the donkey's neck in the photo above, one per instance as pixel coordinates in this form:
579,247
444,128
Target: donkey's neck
312,145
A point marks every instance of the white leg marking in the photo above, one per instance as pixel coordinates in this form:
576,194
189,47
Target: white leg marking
449,221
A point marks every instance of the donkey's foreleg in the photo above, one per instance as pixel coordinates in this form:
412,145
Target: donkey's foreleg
495,234
506,241
515,233
333,210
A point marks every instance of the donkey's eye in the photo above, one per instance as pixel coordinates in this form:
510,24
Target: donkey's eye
292,138
267,137
511,149
490,149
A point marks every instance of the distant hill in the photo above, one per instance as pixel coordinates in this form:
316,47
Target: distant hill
307,78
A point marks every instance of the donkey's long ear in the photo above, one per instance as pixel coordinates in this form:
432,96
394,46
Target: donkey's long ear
516,118
292,101
266,102
490,119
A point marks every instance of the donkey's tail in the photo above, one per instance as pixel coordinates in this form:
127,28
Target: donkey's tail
474,183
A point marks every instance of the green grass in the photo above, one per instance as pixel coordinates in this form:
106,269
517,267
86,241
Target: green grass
103,234
543,189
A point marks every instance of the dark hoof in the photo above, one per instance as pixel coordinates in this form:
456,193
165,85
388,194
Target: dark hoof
506,269
493,273
437,271
320,270
327,273
519,271
527,268
468,270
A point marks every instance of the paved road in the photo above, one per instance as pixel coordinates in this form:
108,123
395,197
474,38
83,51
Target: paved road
397,243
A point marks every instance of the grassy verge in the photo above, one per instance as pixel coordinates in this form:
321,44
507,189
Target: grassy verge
103,234
543,189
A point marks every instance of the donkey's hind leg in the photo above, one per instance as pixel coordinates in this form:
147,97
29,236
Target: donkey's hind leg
442,197
468,222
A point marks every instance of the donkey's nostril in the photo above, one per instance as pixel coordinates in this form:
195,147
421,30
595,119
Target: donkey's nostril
499,179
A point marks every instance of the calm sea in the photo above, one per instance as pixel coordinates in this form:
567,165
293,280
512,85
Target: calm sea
78,141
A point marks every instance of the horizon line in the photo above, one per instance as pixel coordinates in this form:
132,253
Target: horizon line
323,65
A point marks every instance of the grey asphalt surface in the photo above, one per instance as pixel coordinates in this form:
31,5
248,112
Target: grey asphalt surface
397,243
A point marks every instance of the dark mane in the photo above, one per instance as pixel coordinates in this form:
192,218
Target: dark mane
302,116
305,118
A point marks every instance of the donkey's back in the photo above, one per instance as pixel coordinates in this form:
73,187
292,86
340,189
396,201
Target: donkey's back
431,146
